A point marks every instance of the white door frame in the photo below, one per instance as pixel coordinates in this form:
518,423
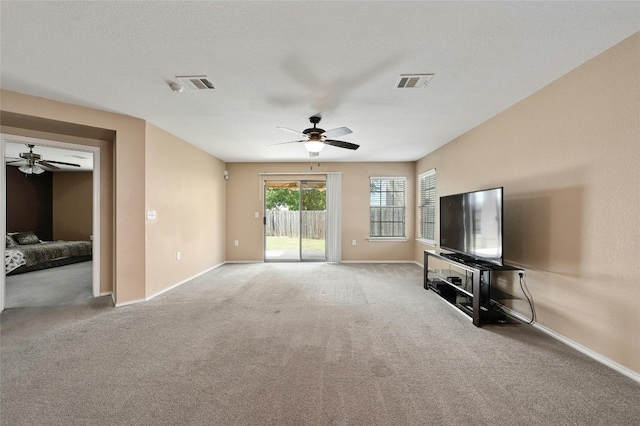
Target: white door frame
96,202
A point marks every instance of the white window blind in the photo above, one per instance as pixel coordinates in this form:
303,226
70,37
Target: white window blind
427,206
387,207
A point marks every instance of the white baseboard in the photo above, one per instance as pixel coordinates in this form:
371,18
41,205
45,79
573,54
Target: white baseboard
146,299
377,261
340,261
129,302
591,354
184,281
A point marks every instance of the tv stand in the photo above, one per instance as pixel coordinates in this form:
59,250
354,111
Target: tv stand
466,284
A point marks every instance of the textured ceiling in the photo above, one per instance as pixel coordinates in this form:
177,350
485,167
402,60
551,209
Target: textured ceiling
276,63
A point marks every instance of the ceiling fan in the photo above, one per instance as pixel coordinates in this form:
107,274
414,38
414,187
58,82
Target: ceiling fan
315,138
35,163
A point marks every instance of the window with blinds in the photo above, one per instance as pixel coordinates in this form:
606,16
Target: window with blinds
427,207
387,207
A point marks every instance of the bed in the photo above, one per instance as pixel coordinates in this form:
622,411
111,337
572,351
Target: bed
25,252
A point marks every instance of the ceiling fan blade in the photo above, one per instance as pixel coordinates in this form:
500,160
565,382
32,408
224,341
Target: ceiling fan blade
290,130
284,143
341,144
47,165
339,131
18,160
59,162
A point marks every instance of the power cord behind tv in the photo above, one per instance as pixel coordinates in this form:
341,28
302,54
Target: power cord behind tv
506,310
522,287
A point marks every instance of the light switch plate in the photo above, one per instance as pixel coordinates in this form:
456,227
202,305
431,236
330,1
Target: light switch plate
151,215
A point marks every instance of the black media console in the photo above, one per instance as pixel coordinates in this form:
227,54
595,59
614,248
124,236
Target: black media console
466,283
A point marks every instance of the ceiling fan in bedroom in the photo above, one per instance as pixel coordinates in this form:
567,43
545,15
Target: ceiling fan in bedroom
34,164
315,138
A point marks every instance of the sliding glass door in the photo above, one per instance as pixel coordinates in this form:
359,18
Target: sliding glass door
282,220
313,213
295,221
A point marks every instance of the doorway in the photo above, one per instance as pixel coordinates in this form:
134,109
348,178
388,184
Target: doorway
295,220
77,154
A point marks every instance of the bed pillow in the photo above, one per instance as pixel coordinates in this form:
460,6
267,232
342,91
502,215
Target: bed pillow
10,242
26,238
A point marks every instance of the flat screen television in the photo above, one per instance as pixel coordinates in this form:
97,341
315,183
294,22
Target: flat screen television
471,224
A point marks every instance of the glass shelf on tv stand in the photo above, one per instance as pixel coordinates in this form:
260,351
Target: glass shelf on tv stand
470,281
460,280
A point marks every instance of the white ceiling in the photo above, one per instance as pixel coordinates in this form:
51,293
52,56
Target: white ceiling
277,63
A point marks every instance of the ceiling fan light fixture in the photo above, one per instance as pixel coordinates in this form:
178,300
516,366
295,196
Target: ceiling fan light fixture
314,146
31,169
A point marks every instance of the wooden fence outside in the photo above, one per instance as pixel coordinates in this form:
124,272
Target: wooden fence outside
287,223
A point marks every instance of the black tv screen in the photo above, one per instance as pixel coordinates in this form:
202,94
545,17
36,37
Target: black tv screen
471,224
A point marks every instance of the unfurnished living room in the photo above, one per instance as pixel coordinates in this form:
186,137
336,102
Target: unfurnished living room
320,212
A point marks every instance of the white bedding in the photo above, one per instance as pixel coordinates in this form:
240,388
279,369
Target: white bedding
13,259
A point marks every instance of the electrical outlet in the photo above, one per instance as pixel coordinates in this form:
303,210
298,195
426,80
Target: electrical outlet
178,255
353,242
236,243
257,215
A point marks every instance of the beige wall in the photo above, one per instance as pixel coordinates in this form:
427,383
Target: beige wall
122,179
244,198
187,192
568,158
72,206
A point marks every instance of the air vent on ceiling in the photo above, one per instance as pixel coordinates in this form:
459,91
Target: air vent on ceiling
413,81
195,82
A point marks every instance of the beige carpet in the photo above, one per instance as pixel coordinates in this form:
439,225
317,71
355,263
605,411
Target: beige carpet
65,285
296,344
